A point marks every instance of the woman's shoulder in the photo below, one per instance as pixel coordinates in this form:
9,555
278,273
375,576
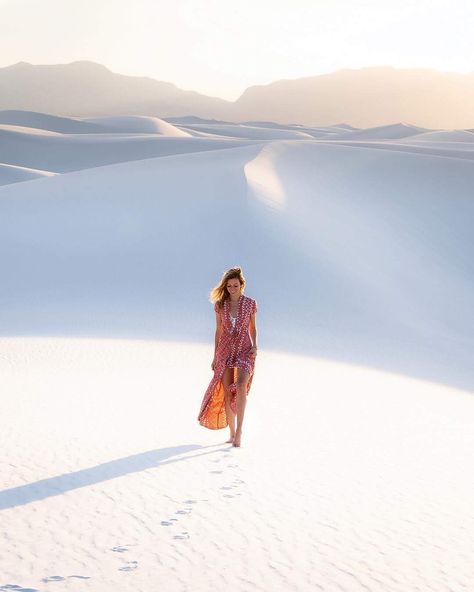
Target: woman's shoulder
251,302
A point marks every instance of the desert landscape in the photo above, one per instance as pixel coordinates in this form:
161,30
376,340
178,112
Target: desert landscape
354,471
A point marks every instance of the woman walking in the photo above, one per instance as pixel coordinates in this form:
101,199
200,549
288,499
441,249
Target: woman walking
234,356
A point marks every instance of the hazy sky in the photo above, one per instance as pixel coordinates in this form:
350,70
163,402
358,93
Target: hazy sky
220,47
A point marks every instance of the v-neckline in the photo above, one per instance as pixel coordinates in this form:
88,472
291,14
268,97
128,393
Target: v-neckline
238,308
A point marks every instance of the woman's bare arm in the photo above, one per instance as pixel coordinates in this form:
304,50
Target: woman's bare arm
253,329
218,332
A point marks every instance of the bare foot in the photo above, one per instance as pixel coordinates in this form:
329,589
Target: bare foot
230,440
236,441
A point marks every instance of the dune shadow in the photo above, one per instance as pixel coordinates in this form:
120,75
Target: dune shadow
39,490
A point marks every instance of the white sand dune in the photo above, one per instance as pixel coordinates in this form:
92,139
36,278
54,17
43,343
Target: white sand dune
383,230
197,134
262,130
464,136
63,153
342,126
21,129
139,124
385,233
352,475
89,125
383,132
192,119
314,132
45,121
322,132
291,126
444,149
253,132
15,174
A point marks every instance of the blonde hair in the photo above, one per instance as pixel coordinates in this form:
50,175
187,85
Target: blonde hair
219,293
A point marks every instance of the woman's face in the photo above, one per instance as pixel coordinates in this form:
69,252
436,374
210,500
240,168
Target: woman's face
233,287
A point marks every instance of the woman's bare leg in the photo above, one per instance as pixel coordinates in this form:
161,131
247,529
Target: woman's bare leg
242,380
227,380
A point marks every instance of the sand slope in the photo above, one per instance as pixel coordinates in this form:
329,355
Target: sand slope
382,236
15,174
384,132
62,153
352,475
139,124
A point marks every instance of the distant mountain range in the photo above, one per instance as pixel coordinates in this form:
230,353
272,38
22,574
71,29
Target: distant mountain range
363,98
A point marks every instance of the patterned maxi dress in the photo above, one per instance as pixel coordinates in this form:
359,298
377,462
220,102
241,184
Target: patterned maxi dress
233,349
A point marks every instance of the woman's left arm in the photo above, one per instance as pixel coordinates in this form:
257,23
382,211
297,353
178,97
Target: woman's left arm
253,333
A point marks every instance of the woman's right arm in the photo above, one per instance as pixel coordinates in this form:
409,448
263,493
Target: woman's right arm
216,337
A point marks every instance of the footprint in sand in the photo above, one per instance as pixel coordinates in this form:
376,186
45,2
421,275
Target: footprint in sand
18,588
56,579
130,566
184,512
166,523
119,549
234,485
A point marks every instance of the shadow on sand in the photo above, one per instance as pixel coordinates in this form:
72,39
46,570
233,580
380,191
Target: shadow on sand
39,490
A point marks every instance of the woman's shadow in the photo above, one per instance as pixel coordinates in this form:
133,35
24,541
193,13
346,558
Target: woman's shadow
39,490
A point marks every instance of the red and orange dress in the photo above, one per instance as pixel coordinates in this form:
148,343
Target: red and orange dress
233,351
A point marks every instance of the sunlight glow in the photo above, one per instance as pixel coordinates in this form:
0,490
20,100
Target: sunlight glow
220,48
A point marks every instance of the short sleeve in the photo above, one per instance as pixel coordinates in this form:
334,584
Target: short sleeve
254,306
216,306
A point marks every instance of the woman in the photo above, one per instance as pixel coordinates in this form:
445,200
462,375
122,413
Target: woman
234,356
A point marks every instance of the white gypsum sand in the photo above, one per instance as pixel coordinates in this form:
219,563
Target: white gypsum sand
349,479
354,467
